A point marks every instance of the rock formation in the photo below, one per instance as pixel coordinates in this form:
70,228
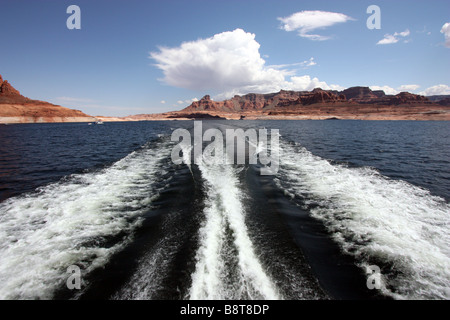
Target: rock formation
321,96
362,94
6,89
352,103
15,108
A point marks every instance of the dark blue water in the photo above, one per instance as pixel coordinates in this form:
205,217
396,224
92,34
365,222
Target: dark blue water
33,155
108,199
416,151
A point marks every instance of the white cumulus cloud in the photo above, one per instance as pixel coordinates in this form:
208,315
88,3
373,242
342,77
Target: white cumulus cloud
386,89
394,38
402,34
228,63
440,89
306,22
188,101
446,31
226,60
388,39
306,83
408,87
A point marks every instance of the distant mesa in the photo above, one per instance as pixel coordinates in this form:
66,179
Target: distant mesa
15,108
362,94
352,103
286,99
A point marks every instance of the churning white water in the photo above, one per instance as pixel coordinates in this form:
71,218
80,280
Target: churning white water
148,279
376,219
67,223
225,220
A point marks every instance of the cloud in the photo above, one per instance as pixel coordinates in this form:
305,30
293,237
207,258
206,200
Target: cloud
386,89
306,83
304,65
440,89
188,101
228,63
226,60
306,22
408,87
163,102
393,38
402,34
424,31
446,31
308,63
388,39
191,100
392,91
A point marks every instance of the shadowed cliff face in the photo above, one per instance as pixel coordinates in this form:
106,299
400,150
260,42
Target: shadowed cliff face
15,108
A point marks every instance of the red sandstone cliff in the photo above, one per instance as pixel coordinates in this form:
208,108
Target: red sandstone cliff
352,103
15,108
287,99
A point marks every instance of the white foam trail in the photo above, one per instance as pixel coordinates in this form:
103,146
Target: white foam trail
224,209
66,223
375,219
147,280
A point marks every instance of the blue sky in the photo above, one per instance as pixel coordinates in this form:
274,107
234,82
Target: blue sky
133,57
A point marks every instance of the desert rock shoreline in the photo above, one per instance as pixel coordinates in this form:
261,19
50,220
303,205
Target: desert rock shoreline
15,108
355,103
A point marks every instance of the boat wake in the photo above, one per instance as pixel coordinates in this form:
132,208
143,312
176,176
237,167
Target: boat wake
82,220
218,248
397,226
227,266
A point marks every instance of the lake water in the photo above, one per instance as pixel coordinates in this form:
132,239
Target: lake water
348,196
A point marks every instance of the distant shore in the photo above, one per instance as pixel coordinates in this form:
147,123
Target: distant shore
355,103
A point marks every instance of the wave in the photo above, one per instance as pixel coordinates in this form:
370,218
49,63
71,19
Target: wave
82,220
147,280
226,264
400,227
